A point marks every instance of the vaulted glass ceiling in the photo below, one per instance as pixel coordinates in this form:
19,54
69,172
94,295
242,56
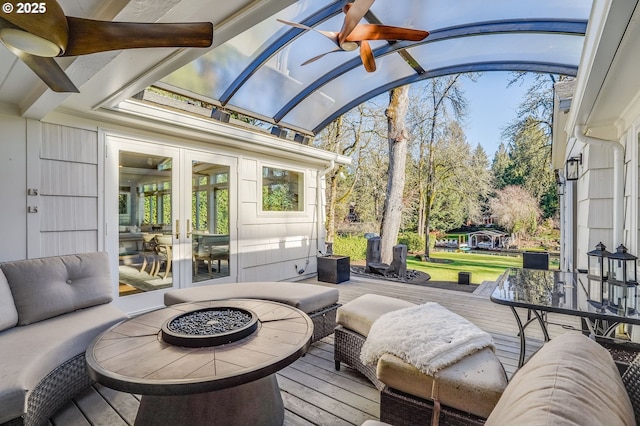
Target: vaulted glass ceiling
259,72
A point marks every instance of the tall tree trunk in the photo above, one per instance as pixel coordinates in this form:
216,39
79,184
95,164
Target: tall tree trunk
392,214
421,214
427,229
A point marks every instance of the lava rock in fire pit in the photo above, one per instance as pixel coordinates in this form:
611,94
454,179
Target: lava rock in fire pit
209,327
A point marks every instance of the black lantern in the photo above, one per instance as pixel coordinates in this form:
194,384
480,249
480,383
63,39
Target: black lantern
623,280
571,170
598,268
559,182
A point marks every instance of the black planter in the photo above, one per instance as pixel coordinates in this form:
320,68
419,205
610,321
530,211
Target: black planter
464,278
535,260
333,269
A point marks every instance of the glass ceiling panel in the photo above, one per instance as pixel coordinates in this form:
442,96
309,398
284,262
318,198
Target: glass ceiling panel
436,14
503,50
349,86
540,48
212,74
284,76
259,72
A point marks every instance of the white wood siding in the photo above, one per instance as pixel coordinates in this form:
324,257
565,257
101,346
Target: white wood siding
275,246
594,203
68,210
13,187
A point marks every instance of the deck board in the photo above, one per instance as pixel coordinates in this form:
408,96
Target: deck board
312,391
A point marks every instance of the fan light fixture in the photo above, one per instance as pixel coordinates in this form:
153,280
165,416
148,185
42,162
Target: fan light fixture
28,43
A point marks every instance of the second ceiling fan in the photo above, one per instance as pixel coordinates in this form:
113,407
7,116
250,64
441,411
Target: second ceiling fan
354,35
39,36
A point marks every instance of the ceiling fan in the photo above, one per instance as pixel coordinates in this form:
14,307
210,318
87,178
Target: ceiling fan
42,32
354,35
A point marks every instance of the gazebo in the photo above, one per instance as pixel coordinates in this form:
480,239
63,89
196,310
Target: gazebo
488,239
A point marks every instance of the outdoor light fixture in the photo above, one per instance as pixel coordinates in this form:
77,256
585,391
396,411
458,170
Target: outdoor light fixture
559,182
598,269
622,281
571,169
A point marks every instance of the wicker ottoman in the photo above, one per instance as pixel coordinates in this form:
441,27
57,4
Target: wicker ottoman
467,390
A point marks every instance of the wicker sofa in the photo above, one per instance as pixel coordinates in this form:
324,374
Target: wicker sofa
572,380
317,301
50,310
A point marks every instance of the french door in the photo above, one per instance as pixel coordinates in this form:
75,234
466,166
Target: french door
168,212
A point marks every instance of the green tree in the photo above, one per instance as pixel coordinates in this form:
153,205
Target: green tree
530,143
348,135
500,167
434,103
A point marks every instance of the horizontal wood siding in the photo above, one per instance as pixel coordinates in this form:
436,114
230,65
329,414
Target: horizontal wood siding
67,216
68,200
68,242
274,246
69,144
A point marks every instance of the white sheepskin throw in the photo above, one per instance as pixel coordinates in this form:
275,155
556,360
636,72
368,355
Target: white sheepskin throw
428,336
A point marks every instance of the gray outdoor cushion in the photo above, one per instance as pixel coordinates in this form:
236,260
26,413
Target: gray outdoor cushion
306,297
39,348
51,286
8,313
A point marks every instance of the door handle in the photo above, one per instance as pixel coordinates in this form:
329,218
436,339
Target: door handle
177,229
189,230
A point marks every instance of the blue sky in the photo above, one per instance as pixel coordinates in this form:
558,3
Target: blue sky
492,106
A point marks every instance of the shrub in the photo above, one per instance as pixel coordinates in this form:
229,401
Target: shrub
414,242
353,246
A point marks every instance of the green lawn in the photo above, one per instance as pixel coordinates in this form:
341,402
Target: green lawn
483,267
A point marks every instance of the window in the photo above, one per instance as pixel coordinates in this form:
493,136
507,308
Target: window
281,190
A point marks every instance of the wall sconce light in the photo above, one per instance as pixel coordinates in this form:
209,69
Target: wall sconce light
559,182
571,170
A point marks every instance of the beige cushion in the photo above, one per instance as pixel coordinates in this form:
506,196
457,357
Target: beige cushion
306,297
47,287
572,380
473,385
8,312
359,314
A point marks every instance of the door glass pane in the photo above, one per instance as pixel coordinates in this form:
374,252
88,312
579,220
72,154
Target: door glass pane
210,221
145,233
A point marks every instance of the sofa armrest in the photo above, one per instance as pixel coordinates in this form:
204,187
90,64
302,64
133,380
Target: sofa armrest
572,380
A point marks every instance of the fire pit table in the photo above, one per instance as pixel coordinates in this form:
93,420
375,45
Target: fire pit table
203,363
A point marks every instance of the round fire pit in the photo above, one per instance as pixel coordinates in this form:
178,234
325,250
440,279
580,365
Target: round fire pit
209,327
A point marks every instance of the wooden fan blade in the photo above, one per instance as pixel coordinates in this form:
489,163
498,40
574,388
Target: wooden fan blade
366,55
49,24
49,71
353,14
333,36
385,32
315,58
89,36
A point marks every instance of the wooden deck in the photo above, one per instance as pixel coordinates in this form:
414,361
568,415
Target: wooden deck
313,392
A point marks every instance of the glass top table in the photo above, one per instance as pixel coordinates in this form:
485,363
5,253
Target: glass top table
607,312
